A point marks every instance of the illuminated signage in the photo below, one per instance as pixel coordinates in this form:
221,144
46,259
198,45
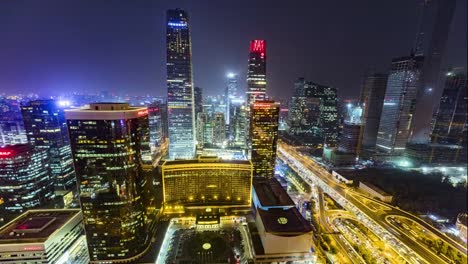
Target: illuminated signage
258,46
5,153
33,248
142,113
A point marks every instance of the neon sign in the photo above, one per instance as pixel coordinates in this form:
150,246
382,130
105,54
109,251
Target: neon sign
5,153
142,112
258,45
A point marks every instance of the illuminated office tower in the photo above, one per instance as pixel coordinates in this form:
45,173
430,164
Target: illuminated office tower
202,119
264,118
219,129
25,178
450,126
198,99
180,99
207,182
329,115
11,123
155,123
371,101
108,141
399,104
237,130
46,128
256,73
230,94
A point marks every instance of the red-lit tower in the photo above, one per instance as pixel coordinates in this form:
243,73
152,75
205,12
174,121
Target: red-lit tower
256,74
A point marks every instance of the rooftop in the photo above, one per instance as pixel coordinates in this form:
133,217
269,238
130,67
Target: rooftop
284,222
205,159
375,188
35,225
271,193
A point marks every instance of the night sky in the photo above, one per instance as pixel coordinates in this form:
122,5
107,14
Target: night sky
50,47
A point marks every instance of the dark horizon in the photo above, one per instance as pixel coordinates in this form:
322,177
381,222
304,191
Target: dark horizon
87,46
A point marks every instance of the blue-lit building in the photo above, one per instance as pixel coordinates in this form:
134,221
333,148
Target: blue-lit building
399,104
180,93
25,178
230,94
11,123
46,128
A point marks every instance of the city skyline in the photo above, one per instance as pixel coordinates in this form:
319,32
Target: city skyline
89,58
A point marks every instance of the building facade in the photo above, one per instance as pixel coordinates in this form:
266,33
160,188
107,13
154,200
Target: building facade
371,101
207,182
198,100
25,178
11,123
264,136
44,236
256,72
399,104
219,129
230,94
46,128
180,92
108,142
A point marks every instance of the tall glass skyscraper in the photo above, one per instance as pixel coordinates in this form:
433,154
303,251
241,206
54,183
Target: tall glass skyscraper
264,136
371,101
180,93
399,104
46,128
451,120
256,73
108,141
230,94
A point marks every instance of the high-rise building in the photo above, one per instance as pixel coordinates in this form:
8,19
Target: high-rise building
371,101
437,18
108,141
180,99
207,182
25,178
198,99
155,122
349,139
46,128
451,126
256,73
313,113
202,119
264,118
230,94
399,104
44,236
237,129
219,129
11,123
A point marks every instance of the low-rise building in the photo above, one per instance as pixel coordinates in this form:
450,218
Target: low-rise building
341,178
375,191
44,236
282,234
207,183
461,226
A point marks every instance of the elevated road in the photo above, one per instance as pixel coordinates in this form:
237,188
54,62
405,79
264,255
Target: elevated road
312,172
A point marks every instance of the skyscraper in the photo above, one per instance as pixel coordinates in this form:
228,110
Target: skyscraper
264,118
230,94
46,128
108,141
219,129
198,99
438,27
155,125
256,73
180,99
329,115
450,126
372,100
25,178
399,104
11,123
